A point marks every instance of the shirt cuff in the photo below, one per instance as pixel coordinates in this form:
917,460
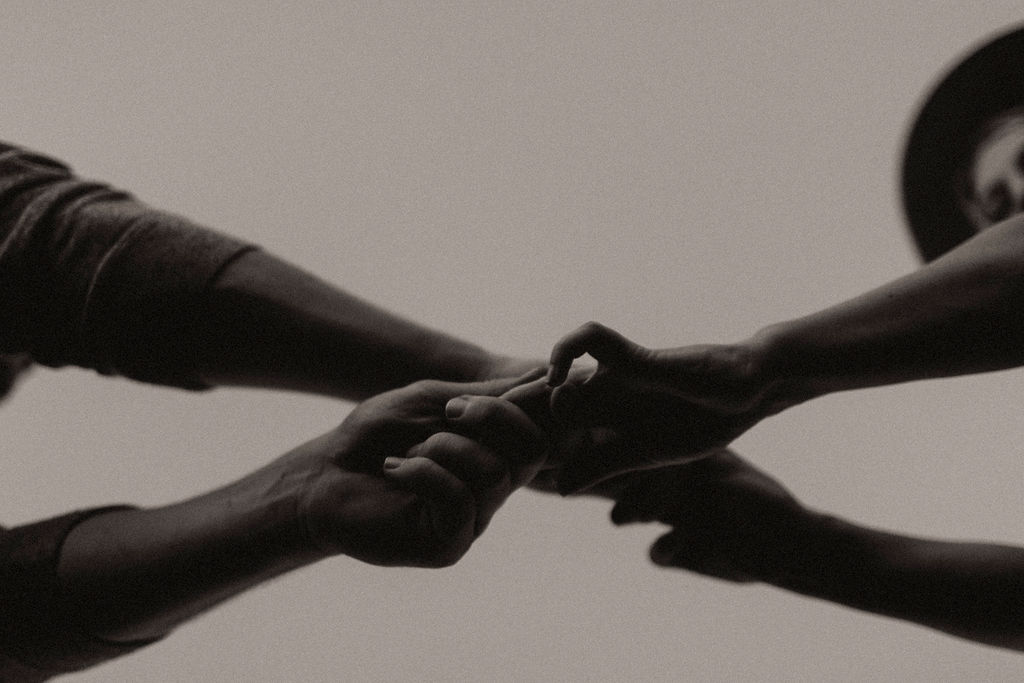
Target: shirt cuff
38,636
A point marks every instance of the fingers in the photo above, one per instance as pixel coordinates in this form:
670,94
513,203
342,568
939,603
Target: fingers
667,550
479,469
11,367
392,422
637,504
534,399
504,428
491,387
528,393
492,448
604,344
673,494
487,473
698,552
450,503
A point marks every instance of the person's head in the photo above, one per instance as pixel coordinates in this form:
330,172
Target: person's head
963,169
992,182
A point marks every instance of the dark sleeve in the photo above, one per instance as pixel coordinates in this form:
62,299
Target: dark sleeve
91,277
38,637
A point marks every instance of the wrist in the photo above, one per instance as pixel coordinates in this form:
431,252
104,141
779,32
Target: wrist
779,375
823,554
283,497
770,550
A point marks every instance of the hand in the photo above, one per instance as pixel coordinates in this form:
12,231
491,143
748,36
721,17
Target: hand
648,408
729,519
413,476
496,366
582,443
534,399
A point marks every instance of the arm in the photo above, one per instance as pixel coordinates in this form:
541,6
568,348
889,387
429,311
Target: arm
398,483
971,590
733,522
960,314
957,315
264,322
91,277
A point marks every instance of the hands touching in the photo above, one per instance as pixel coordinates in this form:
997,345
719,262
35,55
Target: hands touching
724,377
407,480
646,408
648,429
413,476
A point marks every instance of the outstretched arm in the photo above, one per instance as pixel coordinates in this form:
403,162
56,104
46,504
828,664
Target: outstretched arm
957,315
265,322
89,276
732,521
410,478
960,314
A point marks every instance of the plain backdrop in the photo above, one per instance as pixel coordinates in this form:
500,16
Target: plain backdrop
682,171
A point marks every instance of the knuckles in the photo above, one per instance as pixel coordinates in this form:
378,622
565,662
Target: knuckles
591,329
481,410
483,469
443,442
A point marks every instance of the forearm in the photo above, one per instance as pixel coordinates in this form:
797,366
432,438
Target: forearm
92,277
136,574
970,590
960,314
267,323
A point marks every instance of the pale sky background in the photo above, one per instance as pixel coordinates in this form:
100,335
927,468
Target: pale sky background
684,172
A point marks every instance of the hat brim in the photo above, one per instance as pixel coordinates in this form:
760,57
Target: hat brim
989,81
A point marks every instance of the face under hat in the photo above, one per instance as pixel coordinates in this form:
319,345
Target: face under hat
987,82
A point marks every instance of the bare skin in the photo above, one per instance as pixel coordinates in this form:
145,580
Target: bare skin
958,315
733,522
411,477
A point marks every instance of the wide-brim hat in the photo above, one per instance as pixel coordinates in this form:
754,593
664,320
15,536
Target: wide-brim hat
987,82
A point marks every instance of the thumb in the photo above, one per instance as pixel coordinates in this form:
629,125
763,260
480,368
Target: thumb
695,552
534,399
603,343
449,503
665,550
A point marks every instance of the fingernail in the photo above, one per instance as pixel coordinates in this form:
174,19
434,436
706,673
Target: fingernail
455,407
393,462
